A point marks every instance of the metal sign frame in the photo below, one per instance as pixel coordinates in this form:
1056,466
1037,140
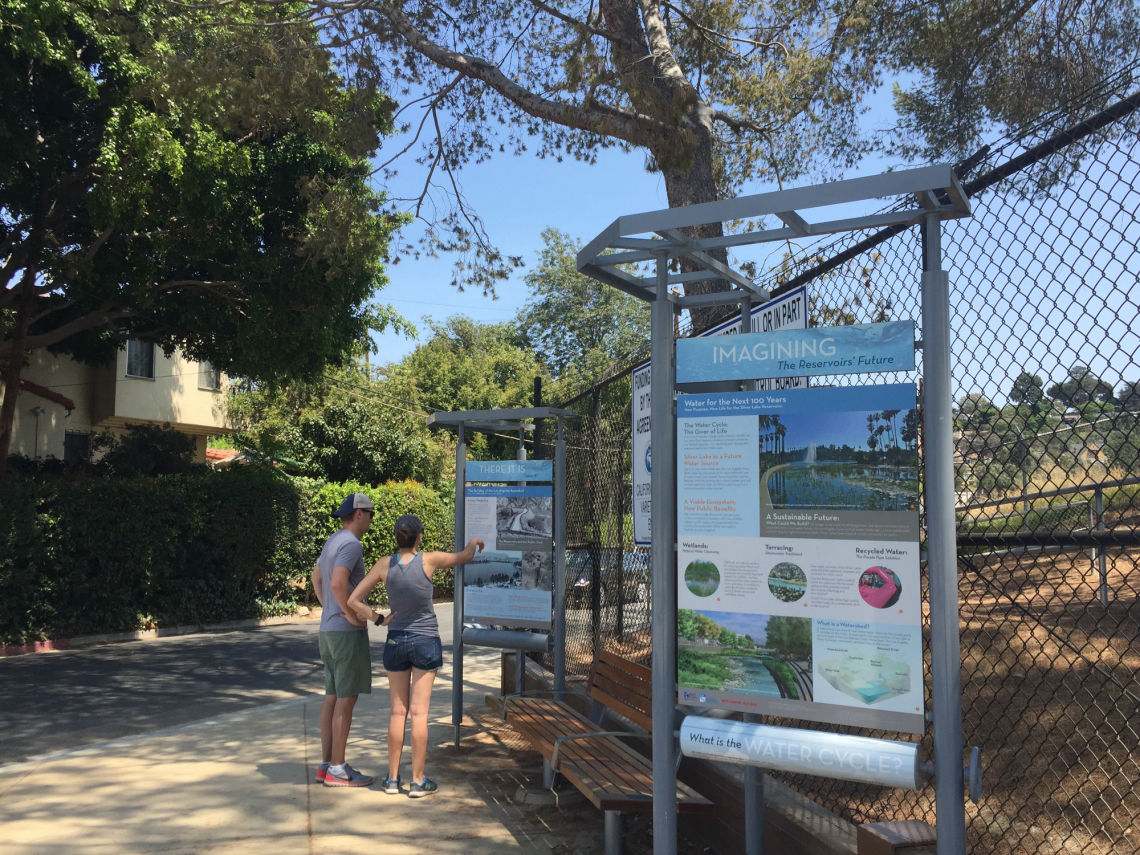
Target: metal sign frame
922,197
518,420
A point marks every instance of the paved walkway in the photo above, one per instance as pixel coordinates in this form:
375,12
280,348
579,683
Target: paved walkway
242,782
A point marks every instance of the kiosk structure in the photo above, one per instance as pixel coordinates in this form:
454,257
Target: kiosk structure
922,198
513,595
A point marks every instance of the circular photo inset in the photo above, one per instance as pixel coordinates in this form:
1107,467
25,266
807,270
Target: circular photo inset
787,582
879,587
702,578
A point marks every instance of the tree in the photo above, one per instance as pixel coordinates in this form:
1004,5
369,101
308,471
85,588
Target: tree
687,624
975,411
1129,396
470,366
200,186
577,325
343,427
1079,388
1027,389
717,94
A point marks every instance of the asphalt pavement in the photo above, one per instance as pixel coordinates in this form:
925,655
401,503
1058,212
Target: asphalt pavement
65,699
209,743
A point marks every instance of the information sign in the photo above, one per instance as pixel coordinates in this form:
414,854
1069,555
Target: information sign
798,560
511,581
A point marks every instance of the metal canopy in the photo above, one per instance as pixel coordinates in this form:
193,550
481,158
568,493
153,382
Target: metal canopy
493,420
641,238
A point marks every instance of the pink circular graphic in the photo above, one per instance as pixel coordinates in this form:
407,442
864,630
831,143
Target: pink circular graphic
879,587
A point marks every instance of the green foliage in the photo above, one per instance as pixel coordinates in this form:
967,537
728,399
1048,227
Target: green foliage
578,326
701,669
84,554
165,176
145,450
789,635
470,366
785,677
687,624
340,428
1081,387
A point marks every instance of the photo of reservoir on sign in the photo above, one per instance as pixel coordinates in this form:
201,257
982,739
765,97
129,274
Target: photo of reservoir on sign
855,460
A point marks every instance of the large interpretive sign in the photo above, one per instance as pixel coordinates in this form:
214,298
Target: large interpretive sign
798,561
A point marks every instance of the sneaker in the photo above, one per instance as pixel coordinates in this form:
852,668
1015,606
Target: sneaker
350,778
321,770
424,788
392,785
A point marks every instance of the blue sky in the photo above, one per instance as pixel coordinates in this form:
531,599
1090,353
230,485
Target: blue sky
518,197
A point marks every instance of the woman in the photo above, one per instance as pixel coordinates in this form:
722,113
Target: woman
413,651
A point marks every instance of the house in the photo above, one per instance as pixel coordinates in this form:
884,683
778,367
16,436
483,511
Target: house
63,402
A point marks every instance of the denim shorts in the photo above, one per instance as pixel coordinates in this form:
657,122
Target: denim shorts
404,650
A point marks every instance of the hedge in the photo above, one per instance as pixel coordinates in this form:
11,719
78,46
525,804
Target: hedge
83,554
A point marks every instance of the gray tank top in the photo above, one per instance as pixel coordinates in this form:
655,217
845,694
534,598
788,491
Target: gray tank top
409,594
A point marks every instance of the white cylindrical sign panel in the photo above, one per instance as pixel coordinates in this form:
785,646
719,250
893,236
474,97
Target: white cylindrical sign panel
828,755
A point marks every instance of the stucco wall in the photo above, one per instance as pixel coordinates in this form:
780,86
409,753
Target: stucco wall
107,399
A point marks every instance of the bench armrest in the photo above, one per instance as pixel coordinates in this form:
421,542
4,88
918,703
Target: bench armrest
558,742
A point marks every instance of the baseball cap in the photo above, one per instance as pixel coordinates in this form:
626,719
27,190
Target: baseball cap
410,524
353,502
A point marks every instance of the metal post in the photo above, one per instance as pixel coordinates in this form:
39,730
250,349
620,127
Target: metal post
662,489
457,590
753,776
942,549
1099,553
559,564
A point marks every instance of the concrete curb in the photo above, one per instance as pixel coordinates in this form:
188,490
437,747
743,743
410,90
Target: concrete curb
81,641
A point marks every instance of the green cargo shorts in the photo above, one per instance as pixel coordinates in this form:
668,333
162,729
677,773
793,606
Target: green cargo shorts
348,663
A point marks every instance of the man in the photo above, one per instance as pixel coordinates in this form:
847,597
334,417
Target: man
343,639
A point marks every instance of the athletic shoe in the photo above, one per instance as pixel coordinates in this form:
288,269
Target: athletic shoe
424,788
392,786
321,770
350,778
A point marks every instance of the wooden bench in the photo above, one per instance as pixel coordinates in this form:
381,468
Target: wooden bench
614,777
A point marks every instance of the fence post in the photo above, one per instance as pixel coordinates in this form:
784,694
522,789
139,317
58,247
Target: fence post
1098,553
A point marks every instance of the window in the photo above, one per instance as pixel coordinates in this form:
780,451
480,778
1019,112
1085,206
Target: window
140,358
209,377
76,446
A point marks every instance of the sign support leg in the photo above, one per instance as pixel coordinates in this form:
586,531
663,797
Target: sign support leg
942,546
663,479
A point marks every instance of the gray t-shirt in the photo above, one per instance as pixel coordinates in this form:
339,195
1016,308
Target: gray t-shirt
343,549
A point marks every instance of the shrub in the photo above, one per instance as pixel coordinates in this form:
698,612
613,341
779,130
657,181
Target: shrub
82,553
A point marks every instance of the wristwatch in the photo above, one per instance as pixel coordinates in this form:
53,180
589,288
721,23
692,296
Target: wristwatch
379,619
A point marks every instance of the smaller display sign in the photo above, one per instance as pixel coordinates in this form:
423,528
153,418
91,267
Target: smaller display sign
511,581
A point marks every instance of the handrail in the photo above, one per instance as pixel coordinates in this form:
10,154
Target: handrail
1062,491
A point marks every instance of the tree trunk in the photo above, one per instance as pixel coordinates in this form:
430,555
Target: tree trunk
690,182
15,364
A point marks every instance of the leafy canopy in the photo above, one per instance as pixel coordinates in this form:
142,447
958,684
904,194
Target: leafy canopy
716,93
200,185
575,324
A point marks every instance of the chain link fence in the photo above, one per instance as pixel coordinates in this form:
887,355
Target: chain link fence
1045,300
